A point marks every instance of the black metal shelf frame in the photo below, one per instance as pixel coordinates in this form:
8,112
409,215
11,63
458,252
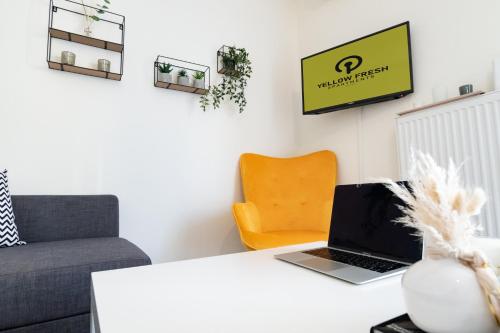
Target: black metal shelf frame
85,40
189,67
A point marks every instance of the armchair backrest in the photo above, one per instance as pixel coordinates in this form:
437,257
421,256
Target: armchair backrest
291,193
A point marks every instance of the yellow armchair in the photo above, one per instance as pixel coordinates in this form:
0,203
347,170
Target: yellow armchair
288,200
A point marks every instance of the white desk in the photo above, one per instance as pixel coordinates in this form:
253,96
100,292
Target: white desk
243,292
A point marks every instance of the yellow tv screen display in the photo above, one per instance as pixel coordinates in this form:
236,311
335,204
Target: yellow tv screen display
367,70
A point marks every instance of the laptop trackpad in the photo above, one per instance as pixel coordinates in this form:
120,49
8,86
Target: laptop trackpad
322,264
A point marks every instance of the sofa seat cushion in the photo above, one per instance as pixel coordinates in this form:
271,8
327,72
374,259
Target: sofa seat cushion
51,280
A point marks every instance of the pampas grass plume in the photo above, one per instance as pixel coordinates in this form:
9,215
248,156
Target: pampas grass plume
437,205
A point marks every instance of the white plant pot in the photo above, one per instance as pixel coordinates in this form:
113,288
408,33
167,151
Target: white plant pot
199,83
165,77
443,296
183,80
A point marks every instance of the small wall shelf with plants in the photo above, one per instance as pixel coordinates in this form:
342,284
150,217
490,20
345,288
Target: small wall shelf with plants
79,23
235,65
229,59
175,74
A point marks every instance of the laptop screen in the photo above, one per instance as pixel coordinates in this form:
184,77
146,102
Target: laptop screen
362,221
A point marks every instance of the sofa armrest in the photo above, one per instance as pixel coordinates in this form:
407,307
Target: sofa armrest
247,217
43,218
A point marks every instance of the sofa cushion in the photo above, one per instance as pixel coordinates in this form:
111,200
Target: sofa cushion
74,324
51,280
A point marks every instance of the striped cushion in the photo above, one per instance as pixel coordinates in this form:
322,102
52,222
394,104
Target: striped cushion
8,229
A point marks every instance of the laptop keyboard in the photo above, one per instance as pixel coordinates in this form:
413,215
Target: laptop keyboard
373,264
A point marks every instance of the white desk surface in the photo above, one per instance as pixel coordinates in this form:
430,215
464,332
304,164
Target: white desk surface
242,292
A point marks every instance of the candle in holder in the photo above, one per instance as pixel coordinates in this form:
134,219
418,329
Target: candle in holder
103,65
68,58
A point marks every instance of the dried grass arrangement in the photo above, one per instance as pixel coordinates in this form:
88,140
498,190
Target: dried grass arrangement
440,208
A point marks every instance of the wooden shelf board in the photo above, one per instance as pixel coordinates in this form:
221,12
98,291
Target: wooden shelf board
225,71
85,71
446,101
90,41
180,87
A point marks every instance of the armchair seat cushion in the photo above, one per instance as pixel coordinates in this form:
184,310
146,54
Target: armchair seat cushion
265,240
51,280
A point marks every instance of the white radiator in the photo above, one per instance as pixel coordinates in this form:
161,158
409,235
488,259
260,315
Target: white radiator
467,131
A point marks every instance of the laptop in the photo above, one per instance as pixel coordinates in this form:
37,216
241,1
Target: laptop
365,244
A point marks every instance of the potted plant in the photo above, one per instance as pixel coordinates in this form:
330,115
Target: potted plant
199,79
229,61
232,60
91,15
238,69
165,73
183,78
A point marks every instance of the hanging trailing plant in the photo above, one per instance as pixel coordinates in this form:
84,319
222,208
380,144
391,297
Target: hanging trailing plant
237,70
92,15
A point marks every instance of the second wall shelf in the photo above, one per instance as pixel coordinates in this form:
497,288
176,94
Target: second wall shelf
180,65
180,87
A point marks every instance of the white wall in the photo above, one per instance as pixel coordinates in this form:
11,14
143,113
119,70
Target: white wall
173,167
453,43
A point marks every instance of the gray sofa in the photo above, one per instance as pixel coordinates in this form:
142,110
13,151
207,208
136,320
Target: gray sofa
45,285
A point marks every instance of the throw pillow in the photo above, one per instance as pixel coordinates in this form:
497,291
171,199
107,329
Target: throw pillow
8,229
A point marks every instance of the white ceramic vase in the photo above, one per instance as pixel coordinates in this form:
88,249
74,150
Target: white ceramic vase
443,296
165,77
183,80
199,83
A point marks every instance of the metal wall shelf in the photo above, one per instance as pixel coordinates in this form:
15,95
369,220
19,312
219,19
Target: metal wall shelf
180,87
72,7
84,70
90,41
177,65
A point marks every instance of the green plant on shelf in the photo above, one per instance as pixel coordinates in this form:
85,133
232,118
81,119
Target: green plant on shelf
91,15
165,68
182,73
101,10
198,75
232,58
228,62
238,67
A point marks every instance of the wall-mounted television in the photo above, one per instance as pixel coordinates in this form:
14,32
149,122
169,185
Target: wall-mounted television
367,70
